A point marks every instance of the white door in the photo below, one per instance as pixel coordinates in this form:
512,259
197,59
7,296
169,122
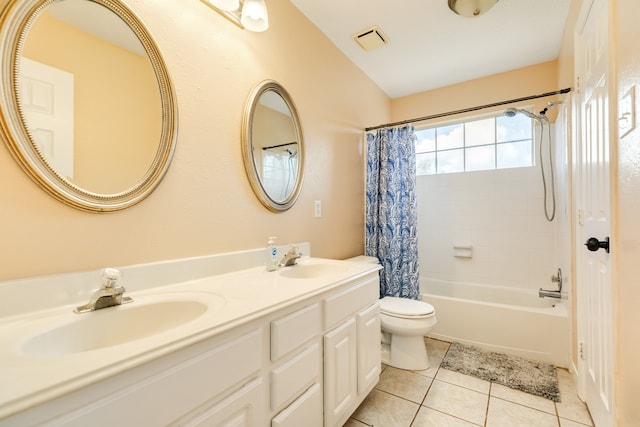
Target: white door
593,285
46,98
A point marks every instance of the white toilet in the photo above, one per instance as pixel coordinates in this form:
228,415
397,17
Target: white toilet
404,323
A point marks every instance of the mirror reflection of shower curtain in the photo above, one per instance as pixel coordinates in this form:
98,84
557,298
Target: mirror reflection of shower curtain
279,172
391,209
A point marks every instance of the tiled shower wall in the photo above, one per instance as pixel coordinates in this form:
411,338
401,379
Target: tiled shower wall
500,214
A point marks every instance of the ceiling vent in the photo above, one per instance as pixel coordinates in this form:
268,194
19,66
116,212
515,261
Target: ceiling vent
371,38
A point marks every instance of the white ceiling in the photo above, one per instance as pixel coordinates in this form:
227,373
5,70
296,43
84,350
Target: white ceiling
431,47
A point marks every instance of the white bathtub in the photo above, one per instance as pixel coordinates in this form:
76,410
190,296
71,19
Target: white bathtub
499,319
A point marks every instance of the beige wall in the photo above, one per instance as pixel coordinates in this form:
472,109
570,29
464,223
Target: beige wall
205,204
519,83
627,34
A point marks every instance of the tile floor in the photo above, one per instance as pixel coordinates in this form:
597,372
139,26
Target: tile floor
441,398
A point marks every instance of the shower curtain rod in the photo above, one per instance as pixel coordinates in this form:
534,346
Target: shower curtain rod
467,110
279,145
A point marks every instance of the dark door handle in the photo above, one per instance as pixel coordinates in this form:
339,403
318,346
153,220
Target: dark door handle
594,244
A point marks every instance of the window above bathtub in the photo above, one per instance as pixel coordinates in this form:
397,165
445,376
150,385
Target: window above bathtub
496,142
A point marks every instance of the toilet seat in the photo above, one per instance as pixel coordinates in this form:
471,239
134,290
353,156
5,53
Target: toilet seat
405,308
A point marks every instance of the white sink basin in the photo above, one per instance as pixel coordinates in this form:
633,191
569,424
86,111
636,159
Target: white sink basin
112,326
312,271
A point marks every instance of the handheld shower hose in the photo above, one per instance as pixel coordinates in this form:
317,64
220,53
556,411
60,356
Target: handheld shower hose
541,119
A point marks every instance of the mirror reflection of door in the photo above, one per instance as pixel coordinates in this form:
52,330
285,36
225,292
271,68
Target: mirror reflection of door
275,146
47,104
117,111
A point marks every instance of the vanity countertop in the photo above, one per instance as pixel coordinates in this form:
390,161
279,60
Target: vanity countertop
233,299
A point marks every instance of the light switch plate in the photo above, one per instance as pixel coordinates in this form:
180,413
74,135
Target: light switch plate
317,209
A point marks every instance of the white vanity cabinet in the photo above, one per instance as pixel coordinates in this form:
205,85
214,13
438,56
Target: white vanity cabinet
309,362
351,350
182,388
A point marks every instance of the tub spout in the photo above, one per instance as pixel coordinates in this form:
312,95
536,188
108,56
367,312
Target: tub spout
542,293
557,293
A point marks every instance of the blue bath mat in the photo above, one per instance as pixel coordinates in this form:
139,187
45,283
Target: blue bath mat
515,372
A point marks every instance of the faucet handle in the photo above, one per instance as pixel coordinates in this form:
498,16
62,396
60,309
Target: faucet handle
110,276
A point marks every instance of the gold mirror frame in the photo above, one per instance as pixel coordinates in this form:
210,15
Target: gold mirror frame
16,18
248,147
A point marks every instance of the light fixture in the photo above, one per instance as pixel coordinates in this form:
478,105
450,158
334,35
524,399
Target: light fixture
249,14
471,8
254,15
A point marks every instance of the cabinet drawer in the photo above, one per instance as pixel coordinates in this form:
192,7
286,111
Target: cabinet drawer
339,306
166,396
294,376
241,409
293,330
305,411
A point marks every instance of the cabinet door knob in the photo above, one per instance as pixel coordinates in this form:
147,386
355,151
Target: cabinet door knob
594,244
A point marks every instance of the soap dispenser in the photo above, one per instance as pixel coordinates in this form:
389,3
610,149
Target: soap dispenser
271,261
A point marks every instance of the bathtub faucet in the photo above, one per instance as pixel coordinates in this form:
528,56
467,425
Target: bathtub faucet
557,293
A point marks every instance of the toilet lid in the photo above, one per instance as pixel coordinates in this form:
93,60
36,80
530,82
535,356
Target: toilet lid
405,307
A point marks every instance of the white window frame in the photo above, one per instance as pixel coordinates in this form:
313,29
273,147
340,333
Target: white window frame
465,147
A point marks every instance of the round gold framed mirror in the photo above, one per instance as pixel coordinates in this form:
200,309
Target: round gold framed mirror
87,107
273,146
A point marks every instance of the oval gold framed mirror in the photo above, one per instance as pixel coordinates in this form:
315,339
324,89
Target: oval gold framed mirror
87,107
273,146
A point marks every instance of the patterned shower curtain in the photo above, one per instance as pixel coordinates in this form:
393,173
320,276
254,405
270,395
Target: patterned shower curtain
391,209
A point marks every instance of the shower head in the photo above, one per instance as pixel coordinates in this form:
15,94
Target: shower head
511,112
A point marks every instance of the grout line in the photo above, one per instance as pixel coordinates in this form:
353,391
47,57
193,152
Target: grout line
486,413
451,415
527,406
428,390
415,415
360,421
464,387
399,397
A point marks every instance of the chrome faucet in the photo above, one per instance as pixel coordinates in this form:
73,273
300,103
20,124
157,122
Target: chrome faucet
108,295
290,257
557,293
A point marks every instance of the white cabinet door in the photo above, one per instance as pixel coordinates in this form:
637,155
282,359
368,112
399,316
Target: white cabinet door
340,371
368,325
